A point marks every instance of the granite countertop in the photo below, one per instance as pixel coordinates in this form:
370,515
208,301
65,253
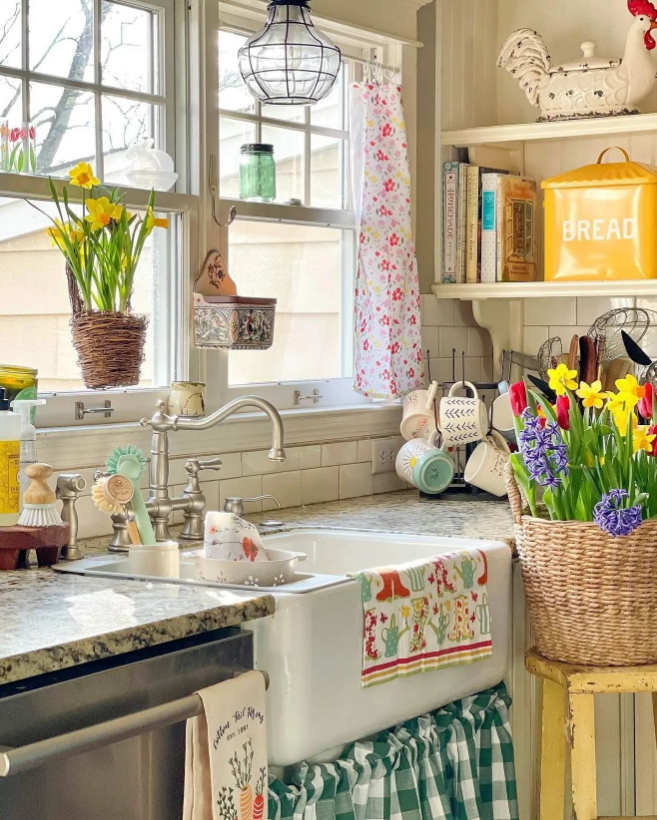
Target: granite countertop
53,621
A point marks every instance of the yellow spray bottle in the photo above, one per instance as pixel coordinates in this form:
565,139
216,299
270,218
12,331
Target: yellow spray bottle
10,457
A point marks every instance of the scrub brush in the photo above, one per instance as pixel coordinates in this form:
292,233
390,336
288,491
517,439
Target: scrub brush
112,495
39,500
130,463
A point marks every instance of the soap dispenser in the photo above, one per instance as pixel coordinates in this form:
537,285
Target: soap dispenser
23,407
10,454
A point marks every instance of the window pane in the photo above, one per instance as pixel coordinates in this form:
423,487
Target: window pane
10,33
232,135
285,113
11,100
62,43
233,94
326,172
288,153
65,132
129,38
329,112
30,265
125,122
303,268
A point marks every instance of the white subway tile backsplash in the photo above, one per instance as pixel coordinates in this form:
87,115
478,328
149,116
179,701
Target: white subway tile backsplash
356,480
242,488
387,483
561,311
343,452
472,369
479,342
463,314
320,486
298,458
533,338
365,450
231,467
92,521
487,374
436,312
590,308
285,487
450,338
566,333
441,370
430,340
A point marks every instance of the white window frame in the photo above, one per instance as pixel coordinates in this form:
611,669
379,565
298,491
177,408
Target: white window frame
130,404
333,392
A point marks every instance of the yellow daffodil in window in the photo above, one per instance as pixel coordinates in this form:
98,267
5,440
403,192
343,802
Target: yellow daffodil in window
154,222
592,394
643,439
82,176
630,391
101,212
562,379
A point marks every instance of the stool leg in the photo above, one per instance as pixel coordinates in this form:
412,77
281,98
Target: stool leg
553,751
581,735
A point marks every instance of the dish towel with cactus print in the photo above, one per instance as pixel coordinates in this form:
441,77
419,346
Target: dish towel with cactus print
424,615
226,756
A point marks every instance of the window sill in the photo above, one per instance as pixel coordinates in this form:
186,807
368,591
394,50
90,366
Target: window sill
87,446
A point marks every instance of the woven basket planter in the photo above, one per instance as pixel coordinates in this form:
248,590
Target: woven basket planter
110,347
592,598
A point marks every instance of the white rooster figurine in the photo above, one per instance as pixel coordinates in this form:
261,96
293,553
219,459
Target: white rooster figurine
593,87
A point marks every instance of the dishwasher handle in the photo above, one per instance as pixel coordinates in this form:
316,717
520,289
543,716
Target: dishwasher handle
42,752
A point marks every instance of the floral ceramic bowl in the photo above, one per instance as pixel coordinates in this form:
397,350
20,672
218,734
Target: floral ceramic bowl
279,569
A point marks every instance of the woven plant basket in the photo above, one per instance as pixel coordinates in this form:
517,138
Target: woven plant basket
110,346
592,598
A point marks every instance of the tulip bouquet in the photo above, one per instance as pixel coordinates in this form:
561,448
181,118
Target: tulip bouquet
17,148
592,454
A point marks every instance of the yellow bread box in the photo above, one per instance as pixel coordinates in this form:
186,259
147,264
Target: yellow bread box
601,222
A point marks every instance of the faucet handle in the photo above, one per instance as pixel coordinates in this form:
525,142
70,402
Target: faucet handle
161,421
195,465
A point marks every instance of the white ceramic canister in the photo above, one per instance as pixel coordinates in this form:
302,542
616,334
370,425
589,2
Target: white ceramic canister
157,561
187,399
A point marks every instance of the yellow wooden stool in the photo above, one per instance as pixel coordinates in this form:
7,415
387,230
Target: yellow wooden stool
568,703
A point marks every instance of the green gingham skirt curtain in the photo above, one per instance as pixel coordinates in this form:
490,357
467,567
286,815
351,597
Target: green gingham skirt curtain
453,764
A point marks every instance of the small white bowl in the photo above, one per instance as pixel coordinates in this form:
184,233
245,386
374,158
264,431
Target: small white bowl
158,561
279,569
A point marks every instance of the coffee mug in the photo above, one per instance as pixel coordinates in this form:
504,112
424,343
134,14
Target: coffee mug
418,419
486,465
425,466
503,417
462,420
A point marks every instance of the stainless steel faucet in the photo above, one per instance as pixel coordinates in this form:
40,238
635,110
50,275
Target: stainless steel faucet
192,502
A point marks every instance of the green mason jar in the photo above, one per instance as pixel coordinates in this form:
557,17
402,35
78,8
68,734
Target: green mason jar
257,173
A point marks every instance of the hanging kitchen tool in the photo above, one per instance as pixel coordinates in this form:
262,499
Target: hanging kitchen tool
588,360
607,330
641,358
573,353
549,356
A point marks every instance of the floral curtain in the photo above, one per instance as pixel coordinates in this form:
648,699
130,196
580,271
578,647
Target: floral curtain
388,349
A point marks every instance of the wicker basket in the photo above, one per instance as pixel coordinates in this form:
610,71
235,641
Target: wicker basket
592,598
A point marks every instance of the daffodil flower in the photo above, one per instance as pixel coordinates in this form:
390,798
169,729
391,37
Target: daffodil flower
83,176
57,233
630,391
620,419
591,394
153,222
101,212
642,439
562,379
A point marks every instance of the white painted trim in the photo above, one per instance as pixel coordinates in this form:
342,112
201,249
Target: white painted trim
539,290
87,447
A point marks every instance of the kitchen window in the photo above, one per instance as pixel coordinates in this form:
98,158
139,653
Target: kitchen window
92,77
301,248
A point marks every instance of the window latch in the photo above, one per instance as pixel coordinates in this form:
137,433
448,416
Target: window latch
81,411
314,397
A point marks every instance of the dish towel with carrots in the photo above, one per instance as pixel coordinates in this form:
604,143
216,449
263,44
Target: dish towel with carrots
226,776
424,615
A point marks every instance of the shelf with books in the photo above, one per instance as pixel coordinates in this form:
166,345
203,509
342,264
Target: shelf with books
535,290
513,136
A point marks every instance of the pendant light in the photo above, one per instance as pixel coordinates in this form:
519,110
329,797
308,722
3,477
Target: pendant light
289,62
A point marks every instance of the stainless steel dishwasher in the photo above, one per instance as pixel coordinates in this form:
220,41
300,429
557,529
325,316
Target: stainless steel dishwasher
105,741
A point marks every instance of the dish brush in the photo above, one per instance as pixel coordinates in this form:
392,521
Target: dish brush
39,500
130,463
112,495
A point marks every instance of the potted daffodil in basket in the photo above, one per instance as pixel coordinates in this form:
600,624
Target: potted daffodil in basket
587,537
102,245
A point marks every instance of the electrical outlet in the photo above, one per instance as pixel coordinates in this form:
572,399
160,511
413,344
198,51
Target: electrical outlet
384,453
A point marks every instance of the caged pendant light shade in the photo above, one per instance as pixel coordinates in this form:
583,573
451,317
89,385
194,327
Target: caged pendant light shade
289,62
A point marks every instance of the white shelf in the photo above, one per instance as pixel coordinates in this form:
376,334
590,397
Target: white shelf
512,136
534,290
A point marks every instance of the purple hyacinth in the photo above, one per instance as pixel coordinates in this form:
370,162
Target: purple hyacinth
613,518
544,451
